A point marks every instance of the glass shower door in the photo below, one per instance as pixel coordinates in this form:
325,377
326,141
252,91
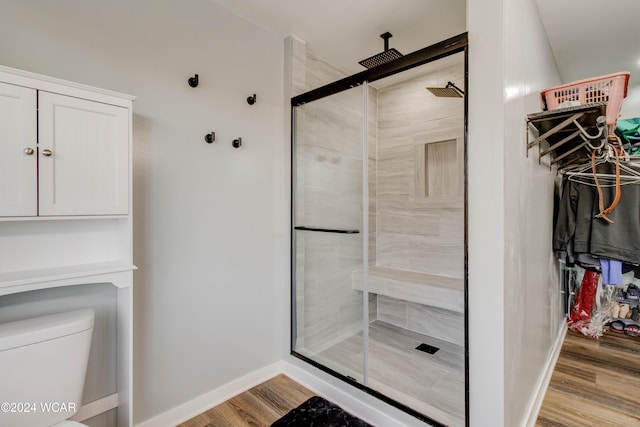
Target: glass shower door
379,232
328,232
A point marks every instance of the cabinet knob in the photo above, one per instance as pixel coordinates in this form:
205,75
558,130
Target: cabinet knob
29,151
47,153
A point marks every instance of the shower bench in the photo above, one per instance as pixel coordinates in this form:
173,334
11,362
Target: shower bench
428,289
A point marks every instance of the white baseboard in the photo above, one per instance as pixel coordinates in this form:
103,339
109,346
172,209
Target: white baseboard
213,398
358,407
543,381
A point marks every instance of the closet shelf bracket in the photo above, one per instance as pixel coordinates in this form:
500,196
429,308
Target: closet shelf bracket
563,132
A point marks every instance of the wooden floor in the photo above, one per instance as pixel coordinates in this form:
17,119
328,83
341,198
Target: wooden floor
595,383
259,406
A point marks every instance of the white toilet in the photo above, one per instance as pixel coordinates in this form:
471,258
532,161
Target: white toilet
43,362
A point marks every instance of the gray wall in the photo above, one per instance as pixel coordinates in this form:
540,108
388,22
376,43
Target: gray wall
205,216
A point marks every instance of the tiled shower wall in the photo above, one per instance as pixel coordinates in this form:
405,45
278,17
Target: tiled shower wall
329,195
420,194
420,213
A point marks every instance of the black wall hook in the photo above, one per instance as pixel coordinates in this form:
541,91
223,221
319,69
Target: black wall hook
252,99
237,143
193,81
210,137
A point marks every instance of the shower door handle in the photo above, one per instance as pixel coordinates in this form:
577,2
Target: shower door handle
327,230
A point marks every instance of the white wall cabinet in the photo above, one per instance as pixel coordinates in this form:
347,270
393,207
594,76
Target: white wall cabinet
77,165
65,206
18,162
83,156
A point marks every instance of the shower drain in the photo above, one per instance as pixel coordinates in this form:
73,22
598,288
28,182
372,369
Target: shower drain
427,348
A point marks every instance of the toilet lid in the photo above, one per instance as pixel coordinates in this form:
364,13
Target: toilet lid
70,424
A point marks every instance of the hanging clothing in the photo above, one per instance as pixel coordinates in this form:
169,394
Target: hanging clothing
577,221
611,271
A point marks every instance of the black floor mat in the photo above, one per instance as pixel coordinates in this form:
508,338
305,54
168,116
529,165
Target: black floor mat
319,412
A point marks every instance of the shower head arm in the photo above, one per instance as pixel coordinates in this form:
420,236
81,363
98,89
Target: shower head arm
450,84
386,36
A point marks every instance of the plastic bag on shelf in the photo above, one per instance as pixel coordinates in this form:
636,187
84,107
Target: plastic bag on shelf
606,298
580,315
594,305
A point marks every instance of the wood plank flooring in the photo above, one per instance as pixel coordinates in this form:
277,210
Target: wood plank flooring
595,383
256,407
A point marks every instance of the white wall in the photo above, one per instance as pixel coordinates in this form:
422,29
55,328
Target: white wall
631,104
532,308
513,293
207,308
486,217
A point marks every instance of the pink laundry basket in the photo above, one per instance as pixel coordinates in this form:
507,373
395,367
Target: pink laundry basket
610,88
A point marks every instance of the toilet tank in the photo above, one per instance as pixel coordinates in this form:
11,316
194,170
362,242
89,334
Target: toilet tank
43,362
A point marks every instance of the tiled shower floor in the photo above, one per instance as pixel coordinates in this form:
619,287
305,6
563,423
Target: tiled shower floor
430,384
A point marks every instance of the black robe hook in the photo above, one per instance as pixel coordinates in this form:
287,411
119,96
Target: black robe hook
252,99
193,81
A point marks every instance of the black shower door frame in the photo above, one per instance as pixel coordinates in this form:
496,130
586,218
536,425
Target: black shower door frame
423,56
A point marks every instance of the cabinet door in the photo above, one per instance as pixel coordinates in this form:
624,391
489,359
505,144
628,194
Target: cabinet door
83,156
18,164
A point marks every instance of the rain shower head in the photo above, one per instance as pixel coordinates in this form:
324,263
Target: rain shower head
449,91
383,57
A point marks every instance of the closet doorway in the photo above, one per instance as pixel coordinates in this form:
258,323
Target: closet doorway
378,226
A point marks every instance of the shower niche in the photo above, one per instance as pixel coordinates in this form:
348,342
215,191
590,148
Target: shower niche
439,169
379,228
